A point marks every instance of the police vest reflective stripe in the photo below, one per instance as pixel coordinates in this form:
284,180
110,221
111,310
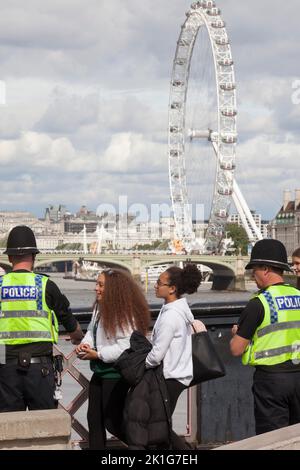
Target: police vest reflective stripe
25,335
277,339
294,349
278,327
24,314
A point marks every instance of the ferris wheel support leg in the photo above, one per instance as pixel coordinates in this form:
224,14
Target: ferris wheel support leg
243,209
246,210
243,217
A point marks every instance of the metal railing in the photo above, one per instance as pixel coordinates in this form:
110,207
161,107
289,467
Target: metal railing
73,406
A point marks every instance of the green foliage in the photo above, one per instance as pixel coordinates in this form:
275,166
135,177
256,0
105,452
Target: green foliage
70,246
3,242
149,246
239,237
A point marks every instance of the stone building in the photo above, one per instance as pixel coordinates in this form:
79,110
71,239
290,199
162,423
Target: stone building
286,224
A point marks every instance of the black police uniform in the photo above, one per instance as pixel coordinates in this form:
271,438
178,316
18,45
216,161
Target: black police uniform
25,384
276,388
27,376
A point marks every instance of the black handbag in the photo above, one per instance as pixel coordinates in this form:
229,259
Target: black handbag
207,364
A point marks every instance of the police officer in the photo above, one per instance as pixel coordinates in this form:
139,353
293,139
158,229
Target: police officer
30,307
268,338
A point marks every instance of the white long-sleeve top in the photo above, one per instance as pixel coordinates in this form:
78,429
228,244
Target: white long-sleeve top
108,348
172,342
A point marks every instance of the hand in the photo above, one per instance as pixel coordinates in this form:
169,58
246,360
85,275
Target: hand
234,330
198,326
86,353
77,335
82,347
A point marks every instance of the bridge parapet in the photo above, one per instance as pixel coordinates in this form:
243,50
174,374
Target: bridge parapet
228,271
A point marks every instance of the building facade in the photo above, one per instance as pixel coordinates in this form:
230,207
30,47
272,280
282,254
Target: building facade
286,224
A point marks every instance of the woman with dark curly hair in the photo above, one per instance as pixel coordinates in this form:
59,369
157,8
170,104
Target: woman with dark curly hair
171,337
120,308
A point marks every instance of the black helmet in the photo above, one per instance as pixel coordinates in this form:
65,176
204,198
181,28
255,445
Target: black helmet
269,252
21,241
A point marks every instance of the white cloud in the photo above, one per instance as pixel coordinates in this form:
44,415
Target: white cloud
130,153
87,98
67,112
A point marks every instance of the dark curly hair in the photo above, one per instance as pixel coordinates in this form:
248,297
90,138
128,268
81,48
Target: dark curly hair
186,280
123,304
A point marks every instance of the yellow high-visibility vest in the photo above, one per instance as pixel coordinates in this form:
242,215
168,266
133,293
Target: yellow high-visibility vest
277,339
24,314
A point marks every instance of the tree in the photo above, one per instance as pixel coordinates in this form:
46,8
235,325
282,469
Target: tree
239,237
3,242
148,246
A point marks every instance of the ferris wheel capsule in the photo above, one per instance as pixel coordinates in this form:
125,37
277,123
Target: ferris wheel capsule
221,41
174,153
227,165
178,83
228,86
174,129
225,191
225,62
207,4
229,138
218,24
218,233
213,12
176,105
222,214
229,112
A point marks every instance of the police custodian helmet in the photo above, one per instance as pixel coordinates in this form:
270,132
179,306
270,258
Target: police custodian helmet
269,252
21,241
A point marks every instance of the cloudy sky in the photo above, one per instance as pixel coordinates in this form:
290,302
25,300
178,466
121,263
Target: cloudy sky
87,91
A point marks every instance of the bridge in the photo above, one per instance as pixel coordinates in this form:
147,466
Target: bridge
228,271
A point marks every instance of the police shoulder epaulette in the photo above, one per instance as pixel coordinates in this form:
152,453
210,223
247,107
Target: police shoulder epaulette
42,274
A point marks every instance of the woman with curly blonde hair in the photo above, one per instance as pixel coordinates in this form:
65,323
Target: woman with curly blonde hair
120,308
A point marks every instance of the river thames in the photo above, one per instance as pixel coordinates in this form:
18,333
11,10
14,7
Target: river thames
81,294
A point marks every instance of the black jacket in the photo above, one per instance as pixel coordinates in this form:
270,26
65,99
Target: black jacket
147,416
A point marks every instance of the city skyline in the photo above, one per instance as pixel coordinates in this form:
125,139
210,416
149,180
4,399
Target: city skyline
86,111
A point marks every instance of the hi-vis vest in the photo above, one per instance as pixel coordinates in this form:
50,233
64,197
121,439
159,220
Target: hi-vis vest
277,339
24,314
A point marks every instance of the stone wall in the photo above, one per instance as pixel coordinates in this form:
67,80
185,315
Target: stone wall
35,430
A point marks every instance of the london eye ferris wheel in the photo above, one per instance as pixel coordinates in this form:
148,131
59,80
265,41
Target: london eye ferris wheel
202,125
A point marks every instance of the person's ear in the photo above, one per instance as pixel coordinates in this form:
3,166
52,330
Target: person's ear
173,291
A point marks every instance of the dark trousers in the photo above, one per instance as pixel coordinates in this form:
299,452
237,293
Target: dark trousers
30,388
276,400
105,410
174,390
